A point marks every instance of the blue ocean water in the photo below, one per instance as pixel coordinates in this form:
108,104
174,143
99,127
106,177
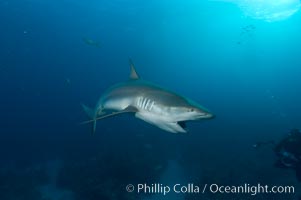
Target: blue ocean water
55,55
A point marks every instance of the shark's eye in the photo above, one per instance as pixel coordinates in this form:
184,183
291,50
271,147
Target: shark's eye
191,109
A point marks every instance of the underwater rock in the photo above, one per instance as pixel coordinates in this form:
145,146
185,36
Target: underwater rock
22,184
106,176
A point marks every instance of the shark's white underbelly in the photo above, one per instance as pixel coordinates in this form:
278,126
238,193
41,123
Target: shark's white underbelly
148,110
118,104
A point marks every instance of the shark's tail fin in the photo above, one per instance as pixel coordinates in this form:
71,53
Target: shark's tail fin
91,113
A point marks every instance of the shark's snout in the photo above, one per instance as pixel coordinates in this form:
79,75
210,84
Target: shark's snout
209,116
205,115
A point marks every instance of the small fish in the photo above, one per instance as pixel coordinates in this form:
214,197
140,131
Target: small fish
68,81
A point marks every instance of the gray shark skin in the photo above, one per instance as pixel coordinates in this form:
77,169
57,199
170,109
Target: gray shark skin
149,102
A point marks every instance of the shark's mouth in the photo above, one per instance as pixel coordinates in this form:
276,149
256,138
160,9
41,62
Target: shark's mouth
182,124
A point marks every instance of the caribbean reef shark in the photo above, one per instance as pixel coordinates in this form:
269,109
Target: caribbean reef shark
149,102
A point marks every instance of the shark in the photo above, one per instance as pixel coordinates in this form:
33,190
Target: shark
149,102
91,42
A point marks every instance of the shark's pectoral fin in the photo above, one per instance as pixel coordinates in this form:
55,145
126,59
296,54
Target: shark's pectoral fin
129,109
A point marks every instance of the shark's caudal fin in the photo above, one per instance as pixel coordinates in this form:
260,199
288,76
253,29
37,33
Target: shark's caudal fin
133,74
91,113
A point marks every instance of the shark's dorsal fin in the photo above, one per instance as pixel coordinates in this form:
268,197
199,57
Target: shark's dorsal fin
133,74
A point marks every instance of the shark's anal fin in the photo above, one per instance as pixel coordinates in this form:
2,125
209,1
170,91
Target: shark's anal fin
128,109
133,74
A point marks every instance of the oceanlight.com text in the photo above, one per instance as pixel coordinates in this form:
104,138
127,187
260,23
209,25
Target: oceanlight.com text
251,189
